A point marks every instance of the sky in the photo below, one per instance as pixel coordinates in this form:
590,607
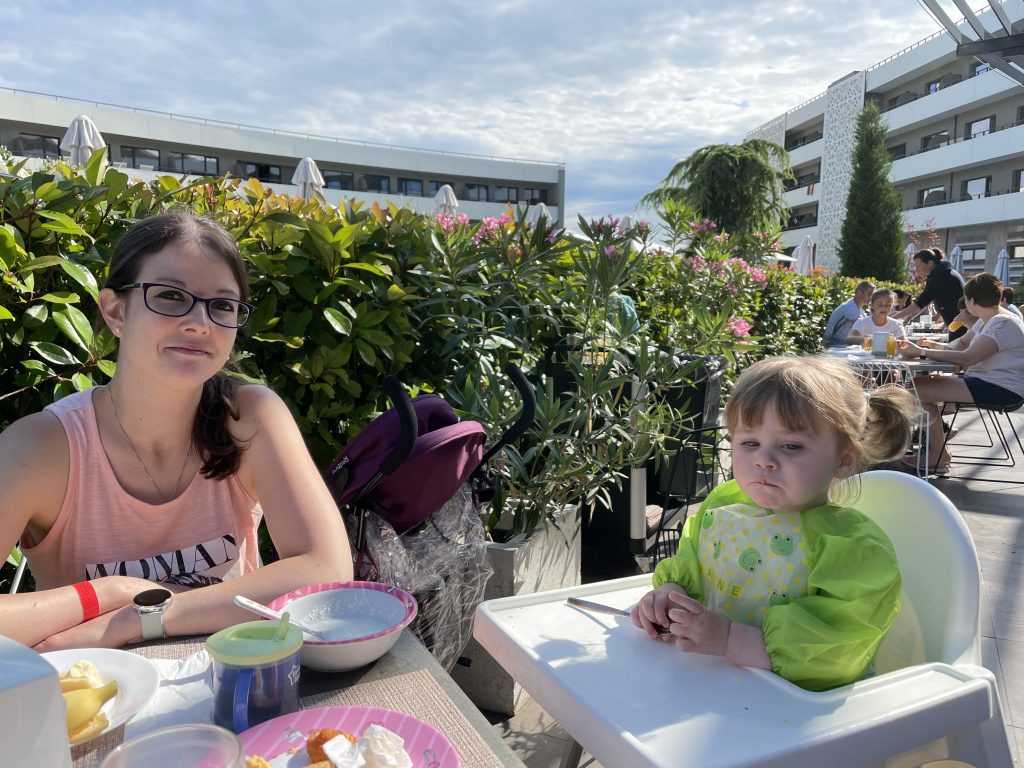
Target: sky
618,91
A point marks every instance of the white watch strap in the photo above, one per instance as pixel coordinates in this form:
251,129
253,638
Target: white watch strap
152,624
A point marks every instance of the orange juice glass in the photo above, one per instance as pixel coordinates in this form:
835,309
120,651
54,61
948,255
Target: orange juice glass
867,343
890,346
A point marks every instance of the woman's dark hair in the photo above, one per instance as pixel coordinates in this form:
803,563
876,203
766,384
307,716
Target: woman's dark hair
984,290
211,434
930,254
904,297
1007,294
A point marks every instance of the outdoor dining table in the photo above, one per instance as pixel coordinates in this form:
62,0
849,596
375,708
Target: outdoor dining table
407,679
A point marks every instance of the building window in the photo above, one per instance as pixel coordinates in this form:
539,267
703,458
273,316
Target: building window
931,196
185,162
337,180
476,192
976,188
978,127
32,145
410,187
934,140
973,252
979,68
933,86
897,151
1020,115
375,183
506,195
435,185
136,157
534,196
263,172
1018,181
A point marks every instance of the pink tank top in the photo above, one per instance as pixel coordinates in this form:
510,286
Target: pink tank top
206,535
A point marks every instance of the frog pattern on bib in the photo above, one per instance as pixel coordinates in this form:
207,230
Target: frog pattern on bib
750,560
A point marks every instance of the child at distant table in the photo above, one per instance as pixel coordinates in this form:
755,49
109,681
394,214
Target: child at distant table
879,320
773,573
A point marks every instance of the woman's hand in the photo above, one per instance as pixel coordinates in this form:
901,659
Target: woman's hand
651,613
910,349
696,629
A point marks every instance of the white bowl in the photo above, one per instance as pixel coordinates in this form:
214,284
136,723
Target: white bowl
359,621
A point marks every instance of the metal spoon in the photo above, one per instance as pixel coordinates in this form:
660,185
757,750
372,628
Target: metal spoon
587,605
270,613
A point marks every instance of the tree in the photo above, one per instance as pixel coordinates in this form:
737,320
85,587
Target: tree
737,186
871,241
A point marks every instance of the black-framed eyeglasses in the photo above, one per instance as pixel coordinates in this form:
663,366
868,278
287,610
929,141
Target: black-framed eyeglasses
172,301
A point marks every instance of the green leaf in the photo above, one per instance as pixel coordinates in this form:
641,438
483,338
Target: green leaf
41,263
81,382
53,353
35,316
366,352
61,297
5,314
338,321
376,269
61,222
395,293
74,324
94,166
107,366
82,276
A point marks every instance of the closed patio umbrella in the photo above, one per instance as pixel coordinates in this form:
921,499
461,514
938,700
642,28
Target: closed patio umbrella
536,213
910,250
81,139
956,258
804,254
445,201
1003,267
308,179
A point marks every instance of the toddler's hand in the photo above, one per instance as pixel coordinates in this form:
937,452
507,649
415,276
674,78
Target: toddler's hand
696,629
651,613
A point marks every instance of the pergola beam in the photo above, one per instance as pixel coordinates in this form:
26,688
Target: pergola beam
1002,51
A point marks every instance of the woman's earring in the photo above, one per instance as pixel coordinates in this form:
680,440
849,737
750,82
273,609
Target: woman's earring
117,331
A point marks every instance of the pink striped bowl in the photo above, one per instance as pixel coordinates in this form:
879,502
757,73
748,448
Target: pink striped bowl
359,621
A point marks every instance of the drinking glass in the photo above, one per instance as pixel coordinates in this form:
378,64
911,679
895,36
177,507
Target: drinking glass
198,746
867,344
890,346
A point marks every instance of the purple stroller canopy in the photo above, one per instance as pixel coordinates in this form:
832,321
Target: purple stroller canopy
446,452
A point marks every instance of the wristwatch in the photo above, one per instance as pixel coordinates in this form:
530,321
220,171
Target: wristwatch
150,606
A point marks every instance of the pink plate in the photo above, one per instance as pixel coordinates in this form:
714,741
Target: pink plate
427,747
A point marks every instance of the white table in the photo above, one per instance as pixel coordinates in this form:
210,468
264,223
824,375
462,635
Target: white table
632,701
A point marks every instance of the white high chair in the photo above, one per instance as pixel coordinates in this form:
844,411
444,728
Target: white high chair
632,701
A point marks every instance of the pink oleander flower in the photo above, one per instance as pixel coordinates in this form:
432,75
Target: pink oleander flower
721,239
732,289
609,250
736,261
489,226
739,327
758,276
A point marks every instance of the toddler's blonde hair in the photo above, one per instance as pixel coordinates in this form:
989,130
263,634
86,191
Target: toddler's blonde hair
815,392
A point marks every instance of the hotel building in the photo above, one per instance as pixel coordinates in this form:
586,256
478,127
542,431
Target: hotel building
153,144
956,136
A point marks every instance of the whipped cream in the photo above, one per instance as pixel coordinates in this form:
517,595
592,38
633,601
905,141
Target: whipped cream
378,748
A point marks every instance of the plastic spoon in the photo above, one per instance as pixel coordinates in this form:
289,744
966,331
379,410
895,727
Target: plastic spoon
270,613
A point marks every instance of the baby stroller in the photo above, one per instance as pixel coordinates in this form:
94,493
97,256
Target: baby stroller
409,487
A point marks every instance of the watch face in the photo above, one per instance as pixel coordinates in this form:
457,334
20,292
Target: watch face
152,597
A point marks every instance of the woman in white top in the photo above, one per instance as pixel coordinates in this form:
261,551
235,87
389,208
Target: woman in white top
878,321
991,354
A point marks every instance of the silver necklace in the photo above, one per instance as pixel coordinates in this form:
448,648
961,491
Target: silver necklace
159,490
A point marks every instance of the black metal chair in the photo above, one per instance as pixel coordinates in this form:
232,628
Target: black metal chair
999,428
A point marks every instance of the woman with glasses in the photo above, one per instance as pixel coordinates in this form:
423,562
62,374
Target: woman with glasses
160,478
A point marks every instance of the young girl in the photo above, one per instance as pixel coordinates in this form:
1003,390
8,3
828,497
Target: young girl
160,478
878,321
771,573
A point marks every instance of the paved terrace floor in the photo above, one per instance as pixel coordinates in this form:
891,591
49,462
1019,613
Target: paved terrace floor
995,516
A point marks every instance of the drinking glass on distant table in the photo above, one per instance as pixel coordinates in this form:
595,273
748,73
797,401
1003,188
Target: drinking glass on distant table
180,745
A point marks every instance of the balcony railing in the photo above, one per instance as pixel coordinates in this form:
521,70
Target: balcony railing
966,198
801,181
796,143
801,222
958,139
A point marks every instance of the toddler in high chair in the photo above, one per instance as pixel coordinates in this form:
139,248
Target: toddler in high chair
774,572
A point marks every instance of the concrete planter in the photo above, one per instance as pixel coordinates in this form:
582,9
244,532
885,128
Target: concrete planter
549,558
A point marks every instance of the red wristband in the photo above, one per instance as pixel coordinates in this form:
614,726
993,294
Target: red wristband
87,596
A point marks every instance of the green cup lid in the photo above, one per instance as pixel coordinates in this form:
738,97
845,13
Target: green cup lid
253,643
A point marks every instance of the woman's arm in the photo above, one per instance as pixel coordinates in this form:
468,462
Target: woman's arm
33,480
302,518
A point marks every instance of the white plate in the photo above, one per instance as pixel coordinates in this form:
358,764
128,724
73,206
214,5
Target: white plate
137,679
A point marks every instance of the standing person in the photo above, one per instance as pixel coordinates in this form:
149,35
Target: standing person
991,353
772,573
160,478
879,320
943,286
846,314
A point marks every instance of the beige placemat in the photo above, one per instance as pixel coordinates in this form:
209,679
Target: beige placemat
414,693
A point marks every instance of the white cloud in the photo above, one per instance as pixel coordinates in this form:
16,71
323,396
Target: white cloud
617,91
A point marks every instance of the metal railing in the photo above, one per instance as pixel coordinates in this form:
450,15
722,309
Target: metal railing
958,140
965,198
277,131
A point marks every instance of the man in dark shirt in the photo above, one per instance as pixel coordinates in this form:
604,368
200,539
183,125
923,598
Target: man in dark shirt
943,287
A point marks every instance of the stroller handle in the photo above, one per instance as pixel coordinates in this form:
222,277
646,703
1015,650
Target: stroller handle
526,415
407,422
